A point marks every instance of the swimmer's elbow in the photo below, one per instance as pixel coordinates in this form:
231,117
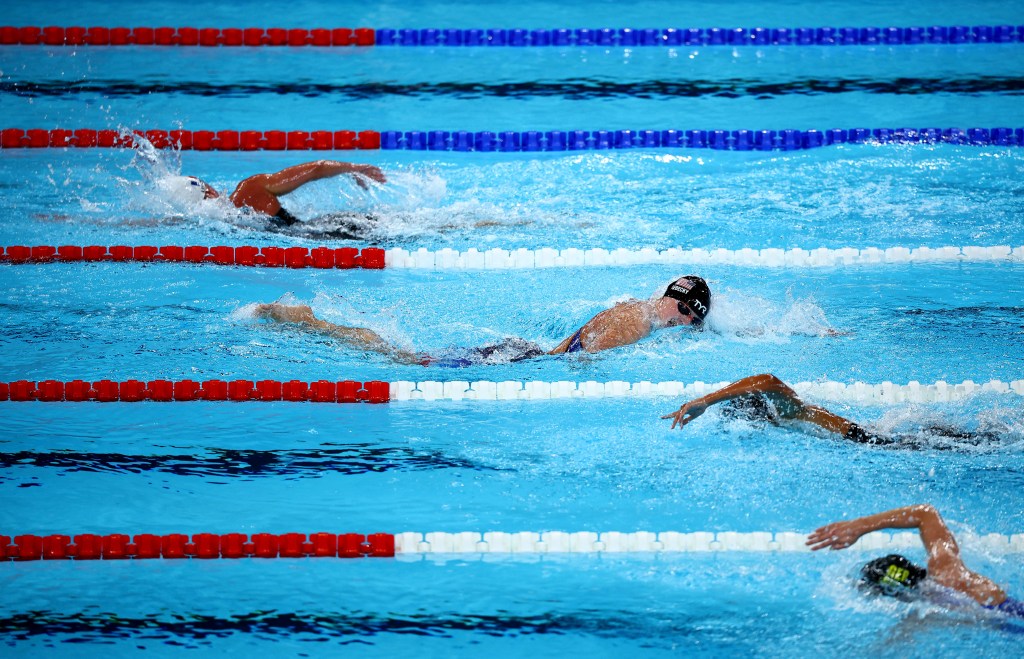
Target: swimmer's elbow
926,512
768,382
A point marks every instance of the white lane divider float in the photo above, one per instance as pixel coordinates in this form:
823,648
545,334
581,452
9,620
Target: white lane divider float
588,542
500,259
858,392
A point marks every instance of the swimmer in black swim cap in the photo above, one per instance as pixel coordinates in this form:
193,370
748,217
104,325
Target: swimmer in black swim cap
767,398
896,576
261,193
686,303
693,297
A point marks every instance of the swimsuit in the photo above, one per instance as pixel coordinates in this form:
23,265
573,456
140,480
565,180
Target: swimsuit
1010,606
953,437
575,345
857,434
507,351
282,218
337,226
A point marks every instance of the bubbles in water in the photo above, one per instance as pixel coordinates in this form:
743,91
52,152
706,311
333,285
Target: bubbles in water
753,319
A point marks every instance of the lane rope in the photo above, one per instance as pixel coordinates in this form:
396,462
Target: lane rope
502,141
373,258
515,37
118,546
89,546
376,391
588,542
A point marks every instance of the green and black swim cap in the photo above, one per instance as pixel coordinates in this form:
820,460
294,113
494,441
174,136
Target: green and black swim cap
891,575
694,292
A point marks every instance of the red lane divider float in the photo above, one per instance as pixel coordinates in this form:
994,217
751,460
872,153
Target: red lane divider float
188,140
184,36
88,546
370,258
133,391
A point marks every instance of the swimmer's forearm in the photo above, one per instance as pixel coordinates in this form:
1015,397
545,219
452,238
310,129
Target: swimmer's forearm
906,517
755,384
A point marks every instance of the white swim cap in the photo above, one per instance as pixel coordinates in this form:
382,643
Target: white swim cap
186,189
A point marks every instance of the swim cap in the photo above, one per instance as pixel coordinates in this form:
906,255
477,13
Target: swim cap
694,291
187,189
891,575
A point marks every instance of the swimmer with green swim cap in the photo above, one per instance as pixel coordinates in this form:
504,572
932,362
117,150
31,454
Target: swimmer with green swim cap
686,302
895,576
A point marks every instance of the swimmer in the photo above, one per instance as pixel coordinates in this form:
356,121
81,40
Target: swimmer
685,302
767,398
261,193
896,576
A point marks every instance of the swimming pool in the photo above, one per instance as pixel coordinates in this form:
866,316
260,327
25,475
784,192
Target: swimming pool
572,465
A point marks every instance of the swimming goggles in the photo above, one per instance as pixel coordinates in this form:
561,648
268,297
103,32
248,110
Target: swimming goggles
687,311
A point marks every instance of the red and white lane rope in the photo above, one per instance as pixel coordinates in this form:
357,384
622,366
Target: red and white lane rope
499,259
589,542
119,546
351,391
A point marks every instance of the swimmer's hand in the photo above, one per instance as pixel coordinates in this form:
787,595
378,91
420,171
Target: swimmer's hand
370,172
687,413
838,535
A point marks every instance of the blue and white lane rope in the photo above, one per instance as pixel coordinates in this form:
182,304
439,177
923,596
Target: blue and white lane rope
546,257
862,393
588,542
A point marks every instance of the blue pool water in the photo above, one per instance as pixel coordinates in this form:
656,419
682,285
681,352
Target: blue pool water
566,465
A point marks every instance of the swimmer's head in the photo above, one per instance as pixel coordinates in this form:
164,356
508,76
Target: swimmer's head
188,189
693,297
892,575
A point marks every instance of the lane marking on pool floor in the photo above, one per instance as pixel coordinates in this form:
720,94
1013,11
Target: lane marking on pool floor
501,259
115,546
376,391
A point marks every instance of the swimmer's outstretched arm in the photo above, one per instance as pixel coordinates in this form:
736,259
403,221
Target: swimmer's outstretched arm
785,399
292,178
357,337
944,562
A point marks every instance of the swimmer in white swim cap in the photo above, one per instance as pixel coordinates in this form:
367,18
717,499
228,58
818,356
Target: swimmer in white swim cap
189,189
261,193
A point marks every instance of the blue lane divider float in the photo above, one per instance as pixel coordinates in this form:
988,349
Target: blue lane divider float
722,140
714,36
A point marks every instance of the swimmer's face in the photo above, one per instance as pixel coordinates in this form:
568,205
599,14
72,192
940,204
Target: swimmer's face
208,191
679,313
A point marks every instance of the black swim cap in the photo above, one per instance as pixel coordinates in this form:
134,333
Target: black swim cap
891,575
694,291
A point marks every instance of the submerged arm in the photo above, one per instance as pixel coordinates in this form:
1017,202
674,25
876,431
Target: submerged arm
357,337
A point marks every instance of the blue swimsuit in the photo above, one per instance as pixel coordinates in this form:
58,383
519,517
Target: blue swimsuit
575,345
1011,606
